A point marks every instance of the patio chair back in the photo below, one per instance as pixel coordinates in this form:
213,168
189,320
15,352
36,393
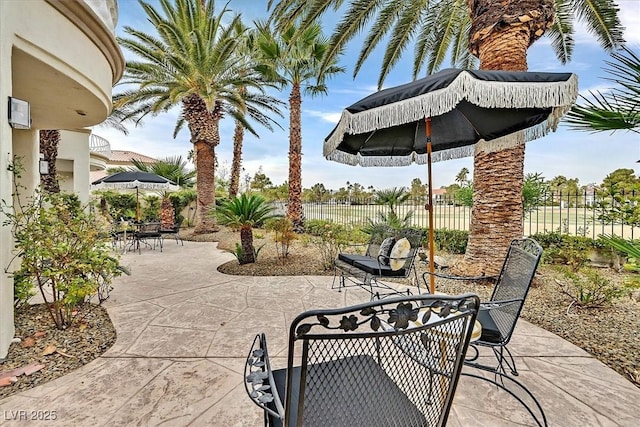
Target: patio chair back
395,361
369,270
512,286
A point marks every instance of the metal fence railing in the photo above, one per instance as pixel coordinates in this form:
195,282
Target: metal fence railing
584,214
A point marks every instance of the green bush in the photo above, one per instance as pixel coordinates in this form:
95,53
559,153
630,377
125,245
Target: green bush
62,251
452,241
150,211
180,200
120,205
328,237
565,249
588,288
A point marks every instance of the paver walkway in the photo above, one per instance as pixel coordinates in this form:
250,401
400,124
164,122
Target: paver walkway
184,331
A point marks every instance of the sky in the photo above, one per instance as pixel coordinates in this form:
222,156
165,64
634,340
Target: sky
590,157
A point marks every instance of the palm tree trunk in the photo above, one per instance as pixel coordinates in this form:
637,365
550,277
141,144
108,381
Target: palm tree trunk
236,164
246,241
49,141
294,208
203,126
500,35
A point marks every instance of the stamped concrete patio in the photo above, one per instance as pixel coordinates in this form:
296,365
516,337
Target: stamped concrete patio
184,330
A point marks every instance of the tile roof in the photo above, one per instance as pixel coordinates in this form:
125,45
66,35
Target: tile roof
122,156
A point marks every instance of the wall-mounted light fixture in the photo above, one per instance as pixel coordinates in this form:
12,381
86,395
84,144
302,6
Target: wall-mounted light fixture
19,114
43,165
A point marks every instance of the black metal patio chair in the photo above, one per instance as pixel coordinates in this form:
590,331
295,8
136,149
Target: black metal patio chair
500,314
145,232
392,362
390,254
173,231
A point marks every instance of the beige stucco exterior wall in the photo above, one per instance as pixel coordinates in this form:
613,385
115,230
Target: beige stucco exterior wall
61,56
73,162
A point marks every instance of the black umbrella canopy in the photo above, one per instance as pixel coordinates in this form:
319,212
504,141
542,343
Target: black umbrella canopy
498,108
135,179
450,114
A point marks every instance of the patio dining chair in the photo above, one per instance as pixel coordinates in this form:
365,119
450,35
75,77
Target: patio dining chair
395,361
173,231
499,316
145,232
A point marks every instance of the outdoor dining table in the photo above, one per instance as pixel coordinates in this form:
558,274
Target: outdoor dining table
135,230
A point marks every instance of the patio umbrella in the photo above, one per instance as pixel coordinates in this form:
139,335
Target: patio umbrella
451,114
137,180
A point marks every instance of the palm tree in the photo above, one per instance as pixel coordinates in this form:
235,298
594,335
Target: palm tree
293,58
244,212
392,197
615,110
254,105
49,141
499,34
173,168
190,63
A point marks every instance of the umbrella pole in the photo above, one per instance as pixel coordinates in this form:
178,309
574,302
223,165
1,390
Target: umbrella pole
432,279
137,205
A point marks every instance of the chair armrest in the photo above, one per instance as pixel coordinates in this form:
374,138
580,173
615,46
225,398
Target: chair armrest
489,305
259,382
468,278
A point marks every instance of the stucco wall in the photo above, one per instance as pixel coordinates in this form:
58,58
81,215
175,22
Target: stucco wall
61,57
73,157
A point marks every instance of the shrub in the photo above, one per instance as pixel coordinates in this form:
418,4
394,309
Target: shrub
328,237
62,251
565,249
588,288
284,234
452,241
150,212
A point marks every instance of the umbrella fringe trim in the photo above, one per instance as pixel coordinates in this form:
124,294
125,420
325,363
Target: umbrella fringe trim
133,186
490,94
498,144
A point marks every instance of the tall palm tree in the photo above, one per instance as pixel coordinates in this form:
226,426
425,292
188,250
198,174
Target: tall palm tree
615,110
498,33
254,107
293,59
190,63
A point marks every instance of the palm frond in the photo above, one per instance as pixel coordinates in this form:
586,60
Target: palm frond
561,33
601,19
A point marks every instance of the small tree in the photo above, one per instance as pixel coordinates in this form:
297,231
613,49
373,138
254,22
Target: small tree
243,213
62,251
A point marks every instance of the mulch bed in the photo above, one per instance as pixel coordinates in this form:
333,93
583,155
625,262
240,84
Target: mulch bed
57,351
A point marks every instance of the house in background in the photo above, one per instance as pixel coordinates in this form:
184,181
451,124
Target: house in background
59,60
118,159
439,196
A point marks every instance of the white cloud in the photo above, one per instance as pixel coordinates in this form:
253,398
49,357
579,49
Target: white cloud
327,117
630,17
602,88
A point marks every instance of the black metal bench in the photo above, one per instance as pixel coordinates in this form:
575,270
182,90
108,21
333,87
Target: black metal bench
387,256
